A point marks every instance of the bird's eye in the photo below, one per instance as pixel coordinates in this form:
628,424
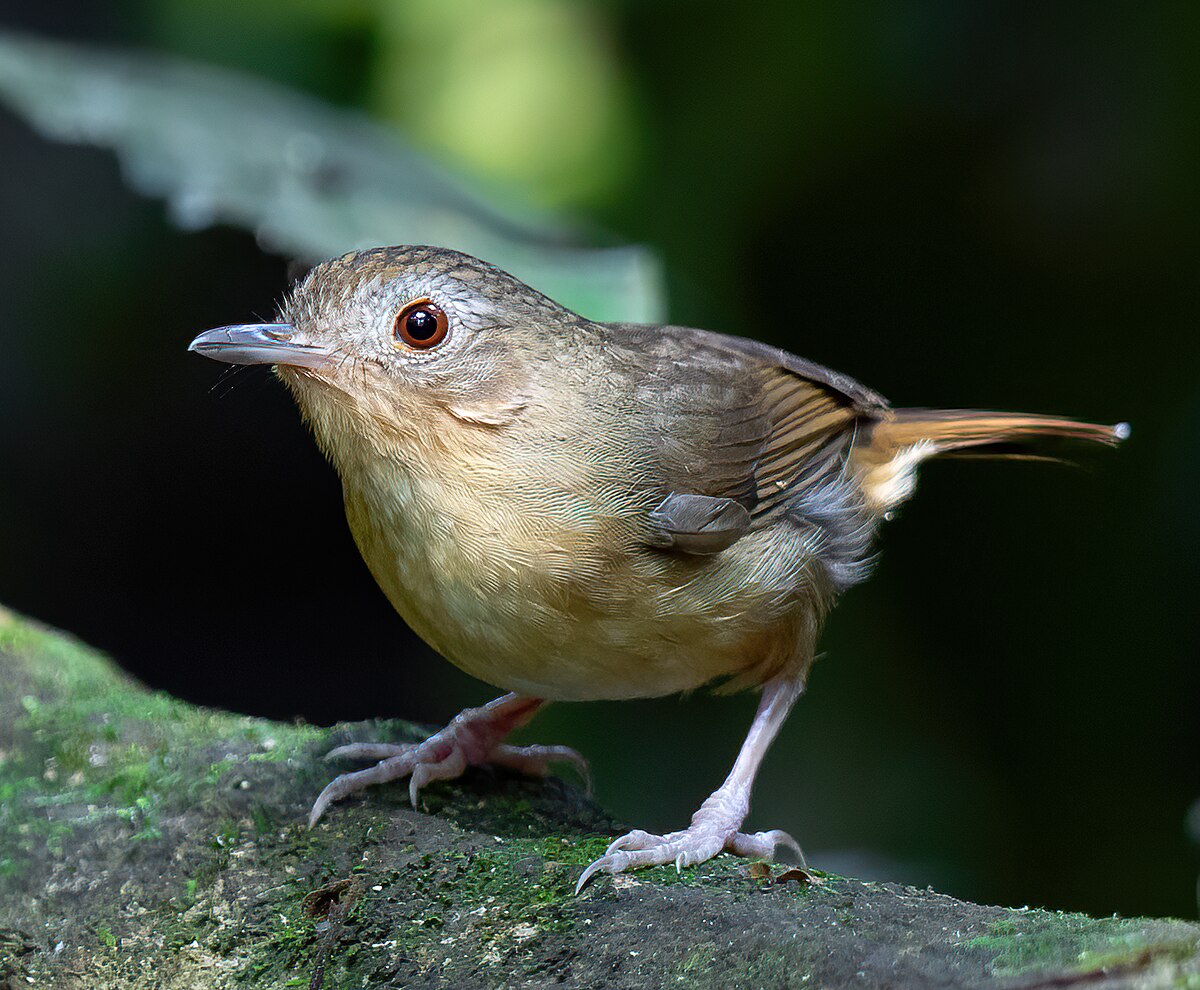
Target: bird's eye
421,324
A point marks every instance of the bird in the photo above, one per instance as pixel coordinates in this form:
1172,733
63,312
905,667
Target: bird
571,510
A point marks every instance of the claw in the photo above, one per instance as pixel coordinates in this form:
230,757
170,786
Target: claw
581,767
415,783
619,843
785,841
590,872
587,874
320,804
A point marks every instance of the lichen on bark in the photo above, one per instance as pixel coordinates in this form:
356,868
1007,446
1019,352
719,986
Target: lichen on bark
145,842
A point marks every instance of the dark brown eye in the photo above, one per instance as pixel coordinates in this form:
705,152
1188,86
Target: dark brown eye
421,324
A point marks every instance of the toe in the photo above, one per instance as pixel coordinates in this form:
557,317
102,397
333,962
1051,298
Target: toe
639,849
352,783
443,756
368,751
536,760
775,845
335,790
565,754
447,769
637,839
618,862
692,850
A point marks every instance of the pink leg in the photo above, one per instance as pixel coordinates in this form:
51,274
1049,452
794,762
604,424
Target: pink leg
715,826
472,738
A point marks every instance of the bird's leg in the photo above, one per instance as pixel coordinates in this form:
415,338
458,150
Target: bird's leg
474,737
716,825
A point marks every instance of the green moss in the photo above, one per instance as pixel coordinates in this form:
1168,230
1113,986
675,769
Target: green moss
504,900
697,964
97,739
708,965
1040,940
57,661
98,776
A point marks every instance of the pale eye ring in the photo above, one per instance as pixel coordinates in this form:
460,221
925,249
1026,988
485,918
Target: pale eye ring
421,324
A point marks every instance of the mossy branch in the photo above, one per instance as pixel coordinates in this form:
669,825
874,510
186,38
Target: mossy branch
148,843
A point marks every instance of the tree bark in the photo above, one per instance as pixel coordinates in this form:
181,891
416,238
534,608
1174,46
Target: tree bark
148,843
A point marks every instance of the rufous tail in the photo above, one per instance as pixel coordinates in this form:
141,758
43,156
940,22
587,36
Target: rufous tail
888,461
956,429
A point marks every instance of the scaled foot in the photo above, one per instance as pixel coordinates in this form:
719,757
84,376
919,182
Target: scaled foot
473,738
715,827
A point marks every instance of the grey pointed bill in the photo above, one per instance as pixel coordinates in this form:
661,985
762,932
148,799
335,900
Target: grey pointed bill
260,343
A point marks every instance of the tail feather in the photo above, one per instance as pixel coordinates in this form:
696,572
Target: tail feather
888,462
956,429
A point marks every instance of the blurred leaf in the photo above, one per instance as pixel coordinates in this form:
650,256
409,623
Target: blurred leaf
506,72
310,180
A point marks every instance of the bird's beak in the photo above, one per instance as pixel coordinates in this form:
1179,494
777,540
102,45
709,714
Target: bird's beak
260,343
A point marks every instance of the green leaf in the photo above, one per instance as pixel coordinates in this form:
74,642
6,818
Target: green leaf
310,181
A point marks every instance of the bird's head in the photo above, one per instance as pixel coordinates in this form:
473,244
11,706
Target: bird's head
400,345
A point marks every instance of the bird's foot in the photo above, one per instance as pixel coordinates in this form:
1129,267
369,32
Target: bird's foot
473,738
714,828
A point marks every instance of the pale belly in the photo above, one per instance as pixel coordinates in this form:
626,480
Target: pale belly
557,613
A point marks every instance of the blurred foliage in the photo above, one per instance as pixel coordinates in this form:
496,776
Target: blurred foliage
959,204
527,91
488,83
307,181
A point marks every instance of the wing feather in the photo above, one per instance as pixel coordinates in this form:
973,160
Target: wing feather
744,425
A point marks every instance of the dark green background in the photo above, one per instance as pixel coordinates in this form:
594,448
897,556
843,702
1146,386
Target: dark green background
983,204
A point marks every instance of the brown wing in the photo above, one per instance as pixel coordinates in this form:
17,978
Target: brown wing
741,421
811,428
